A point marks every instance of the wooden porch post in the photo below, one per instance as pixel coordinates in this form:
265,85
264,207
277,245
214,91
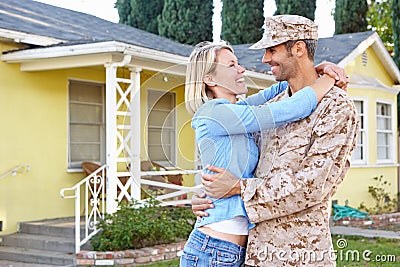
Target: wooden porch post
111,133
136,136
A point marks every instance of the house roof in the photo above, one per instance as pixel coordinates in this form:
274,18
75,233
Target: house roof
45,26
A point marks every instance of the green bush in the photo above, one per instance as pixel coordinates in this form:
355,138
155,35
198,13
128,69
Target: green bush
136,226
384,203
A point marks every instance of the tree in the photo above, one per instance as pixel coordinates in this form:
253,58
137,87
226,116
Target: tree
186,21
141,14
396,38
124,11
396,31
296,7
379,20
242,21
350,16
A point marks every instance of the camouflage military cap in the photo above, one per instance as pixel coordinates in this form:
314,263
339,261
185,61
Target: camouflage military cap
282,28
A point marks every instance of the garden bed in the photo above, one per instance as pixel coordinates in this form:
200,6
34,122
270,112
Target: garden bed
390,222
132,257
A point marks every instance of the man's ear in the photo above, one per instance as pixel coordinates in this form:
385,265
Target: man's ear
209,81
299,48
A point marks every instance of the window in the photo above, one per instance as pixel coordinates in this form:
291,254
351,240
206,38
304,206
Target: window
359,153
86,123
384,131
161,127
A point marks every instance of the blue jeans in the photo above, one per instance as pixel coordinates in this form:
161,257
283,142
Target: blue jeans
203,250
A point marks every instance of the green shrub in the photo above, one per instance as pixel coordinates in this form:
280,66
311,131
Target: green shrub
384,203
136,226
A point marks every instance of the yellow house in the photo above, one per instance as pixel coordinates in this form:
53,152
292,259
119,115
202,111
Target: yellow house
75,88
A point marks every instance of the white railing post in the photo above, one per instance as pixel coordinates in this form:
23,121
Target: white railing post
78,219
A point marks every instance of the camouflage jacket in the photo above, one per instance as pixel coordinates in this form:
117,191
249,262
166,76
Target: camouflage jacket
301,165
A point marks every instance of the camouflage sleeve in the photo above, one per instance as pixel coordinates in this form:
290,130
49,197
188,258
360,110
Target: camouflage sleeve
320,172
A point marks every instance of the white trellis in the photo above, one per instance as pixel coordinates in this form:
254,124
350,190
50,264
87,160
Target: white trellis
123,134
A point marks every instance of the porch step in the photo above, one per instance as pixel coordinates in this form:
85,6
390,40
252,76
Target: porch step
5,263
41,243
63,227
36,256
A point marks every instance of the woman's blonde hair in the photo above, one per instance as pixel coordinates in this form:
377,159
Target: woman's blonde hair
202,61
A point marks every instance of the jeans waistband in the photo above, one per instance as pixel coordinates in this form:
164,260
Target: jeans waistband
209,241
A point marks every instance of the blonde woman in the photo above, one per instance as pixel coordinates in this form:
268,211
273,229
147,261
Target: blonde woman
223,127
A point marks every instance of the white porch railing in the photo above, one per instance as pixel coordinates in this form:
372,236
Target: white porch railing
94,197
93,188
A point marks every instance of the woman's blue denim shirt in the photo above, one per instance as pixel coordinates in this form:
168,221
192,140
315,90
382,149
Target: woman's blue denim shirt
223,133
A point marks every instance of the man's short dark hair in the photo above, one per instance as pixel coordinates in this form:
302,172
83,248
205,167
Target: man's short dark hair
311,46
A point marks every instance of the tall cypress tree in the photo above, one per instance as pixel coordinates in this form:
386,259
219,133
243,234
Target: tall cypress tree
124,11
396,30
350,16
242,21
186,21
141,14
295,7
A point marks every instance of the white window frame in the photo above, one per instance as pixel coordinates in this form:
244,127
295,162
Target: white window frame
172,158
363,132
392,132
76,166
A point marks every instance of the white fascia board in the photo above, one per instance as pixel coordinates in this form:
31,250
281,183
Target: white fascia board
61,51
375,41
92,48
26,38
372,83
94,54
68,62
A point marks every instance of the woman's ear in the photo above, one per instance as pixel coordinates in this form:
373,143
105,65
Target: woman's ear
209,81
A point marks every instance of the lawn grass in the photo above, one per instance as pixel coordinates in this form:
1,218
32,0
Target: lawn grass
382,248
380,251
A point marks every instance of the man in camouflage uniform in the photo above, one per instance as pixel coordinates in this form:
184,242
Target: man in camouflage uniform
301,164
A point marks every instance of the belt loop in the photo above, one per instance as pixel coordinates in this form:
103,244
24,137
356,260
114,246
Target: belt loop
205,242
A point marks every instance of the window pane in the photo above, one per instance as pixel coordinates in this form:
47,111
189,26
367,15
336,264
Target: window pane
85,152
384,131
160,153
86,123
358,153
161,118
85,92
85,113
85,133
161,126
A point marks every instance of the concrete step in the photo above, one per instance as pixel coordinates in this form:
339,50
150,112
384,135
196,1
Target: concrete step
63,227
4,263
35,256
43,242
